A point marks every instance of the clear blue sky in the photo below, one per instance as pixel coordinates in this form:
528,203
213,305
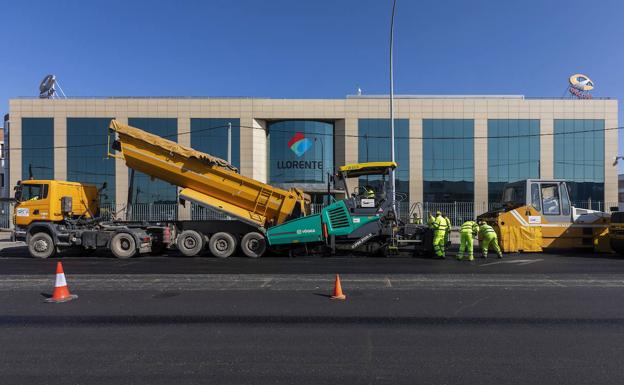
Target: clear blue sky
309,49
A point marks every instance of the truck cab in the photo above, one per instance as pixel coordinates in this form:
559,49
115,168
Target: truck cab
42,200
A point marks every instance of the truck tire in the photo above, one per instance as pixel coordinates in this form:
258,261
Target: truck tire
222,245
123,246
253,245
190,243
41,245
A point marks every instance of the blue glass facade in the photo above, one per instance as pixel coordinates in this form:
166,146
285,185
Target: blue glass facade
374,146
87,142
300,152
145,189
513,153
579,157
210,135
37,148
448,160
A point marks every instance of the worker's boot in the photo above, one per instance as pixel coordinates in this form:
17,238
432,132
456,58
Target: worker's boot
500,255
459,257
484,255
471,258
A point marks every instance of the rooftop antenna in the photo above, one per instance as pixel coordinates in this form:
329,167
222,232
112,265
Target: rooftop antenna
47,88
359,90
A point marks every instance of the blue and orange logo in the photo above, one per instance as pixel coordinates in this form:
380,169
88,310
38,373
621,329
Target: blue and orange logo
299,144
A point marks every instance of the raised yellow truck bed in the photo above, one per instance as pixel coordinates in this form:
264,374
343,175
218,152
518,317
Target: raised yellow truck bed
207,180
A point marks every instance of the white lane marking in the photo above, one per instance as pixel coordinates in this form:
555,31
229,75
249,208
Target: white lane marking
519,262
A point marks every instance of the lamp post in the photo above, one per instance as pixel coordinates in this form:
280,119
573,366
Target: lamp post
392,186
229,143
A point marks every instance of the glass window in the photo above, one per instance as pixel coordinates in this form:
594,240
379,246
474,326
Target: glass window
449,169
33,192
535,197
513,153
146,190
565,200
301,152
579,158
550,199
37,148
210,135
87,146
374,146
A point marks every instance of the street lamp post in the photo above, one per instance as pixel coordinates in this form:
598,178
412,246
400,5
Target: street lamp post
229,143
393,186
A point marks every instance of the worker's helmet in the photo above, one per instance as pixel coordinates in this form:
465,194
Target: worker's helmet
438,213
482,223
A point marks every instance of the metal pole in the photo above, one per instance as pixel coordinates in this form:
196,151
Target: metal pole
229,143
130,192
393,185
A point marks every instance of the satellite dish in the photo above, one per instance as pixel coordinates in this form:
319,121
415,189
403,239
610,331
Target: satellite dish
46,88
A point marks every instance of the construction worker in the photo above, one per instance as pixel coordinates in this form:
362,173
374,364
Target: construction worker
439,235
370,192
488,237
430,220
447,236
467,232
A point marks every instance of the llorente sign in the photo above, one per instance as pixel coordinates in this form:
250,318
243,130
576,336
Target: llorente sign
299,145
580,85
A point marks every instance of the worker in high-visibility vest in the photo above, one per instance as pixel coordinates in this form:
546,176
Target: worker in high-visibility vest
488,238
439,235
370,192
467,232
447,236
430,220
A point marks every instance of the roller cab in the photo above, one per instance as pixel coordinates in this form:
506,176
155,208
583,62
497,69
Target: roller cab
537,214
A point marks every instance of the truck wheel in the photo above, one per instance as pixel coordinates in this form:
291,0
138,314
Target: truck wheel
190,243
123,246
41,245
253,245
222,245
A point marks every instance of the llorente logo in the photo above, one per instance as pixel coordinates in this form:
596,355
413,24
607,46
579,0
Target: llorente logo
299,144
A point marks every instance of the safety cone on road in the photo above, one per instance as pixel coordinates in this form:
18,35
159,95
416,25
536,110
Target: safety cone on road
338,294
61,291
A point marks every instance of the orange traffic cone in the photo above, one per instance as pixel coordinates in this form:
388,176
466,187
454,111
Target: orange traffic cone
338,294
61,292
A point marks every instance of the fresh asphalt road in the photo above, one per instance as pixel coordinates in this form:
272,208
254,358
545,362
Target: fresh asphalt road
526,319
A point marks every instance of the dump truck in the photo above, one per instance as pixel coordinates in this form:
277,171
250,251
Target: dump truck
52,216
537,215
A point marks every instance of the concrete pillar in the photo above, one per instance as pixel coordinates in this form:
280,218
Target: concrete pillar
346,144
121,176
184,138
480,166
60,150
259,151
416,159
246,146
15,150
547,149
